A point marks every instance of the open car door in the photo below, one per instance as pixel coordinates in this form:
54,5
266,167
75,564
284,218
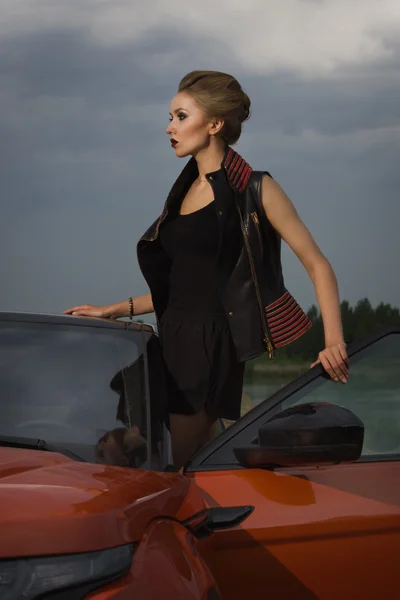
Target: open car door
317,530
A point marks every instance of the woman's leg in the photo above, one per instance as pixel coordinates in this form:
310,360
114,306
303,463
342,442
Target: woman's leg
188,434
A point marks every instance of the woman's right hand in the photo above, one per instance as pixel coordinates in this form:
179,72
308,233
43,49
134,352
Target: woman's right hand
142,305
90,310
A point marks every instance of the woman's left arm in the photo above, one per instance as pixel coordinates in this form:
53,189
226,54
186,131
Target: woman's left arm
284,218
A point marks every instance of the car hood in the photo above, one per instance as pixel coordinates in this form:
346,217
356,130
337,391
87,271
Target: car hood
50,504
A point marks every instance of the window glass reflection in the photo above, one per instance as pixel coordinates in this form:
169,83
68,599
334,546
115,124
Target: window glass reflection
81,388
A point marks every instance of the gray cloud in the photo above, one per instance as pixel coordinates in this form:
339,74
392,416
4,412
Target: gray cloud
85,166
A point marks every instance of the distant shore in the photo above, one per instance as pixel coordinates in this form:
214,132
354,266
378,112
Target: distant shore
278,368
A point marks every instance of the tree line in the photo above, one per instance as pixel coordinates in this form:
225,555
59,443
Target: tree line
358,321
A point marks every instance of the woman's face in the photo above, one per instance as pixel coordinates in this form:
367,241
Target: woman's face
189,129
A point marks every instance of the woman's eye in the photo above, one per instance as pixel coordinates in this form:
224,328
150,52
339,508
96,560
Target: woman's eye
180,116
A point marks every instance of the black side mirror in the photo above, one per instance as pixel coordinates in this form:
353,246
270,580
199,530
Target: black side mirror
316,433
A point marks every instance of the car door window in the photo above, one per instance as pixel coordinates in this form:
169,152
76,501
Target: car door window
81,388
372,393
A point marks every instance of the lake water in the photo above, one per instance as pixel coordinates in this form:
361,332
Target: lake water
260,387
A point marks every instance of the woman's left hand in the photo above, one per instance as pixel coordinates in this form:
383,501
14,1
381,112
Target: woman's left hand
335,362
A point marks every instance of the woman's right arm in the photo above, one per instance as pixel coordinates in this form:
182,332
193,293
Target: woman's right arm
141,305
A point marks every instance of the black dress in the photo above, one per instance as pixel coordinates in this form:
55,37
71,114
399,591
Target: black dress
202,370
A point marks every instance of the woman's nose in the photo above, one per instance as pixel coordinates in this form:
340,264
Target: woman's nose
169,129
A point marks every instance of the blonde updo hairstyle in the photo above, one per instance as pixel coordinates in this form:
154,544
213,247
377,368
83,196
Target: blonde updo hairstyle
220,96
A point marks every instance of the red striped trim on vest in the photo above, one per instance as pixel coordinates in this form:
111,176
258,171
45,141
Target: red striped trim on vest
237,170
286,320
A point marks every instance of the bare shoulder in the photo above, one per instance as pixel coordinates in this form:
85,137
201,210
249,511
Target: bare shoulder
283,216
274,198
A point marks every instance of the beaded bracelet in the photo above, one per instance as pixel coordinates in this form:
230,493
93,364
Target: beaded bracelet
130,300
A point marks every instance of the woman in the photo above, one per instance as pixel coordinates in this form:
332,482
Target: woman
212,263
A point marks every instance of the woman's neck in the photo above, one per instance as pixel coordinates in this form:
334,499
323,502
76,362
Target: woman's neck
209,160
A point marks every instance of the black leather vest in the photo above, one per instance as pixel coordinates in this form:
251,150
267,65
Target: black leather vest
262,314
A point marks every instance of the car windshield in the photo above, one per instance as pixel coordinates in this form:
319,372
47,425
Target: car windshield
75,387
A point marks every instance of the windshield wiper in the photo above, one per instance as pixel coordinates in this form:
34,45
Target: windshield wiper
12,441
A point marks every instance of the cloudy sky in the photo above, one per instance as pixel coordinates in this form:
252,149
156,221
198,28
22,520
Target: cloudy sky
85,163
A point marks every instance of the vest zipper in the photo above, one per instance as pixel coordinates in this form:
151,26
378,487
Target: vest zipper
254,216
266,340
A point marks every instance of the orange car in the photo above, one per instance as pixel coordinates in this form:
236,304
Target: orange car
299,499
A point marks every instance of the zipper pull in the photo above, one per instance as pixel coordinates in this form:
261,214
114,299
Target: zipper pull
255,218
270,348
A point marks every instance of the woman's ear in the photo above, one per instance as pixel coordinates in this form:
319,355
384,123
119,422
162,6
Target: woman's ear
216,126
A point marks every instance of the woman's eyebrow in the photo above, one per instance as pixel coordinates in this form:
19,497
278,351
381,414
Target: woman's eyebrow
178,109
